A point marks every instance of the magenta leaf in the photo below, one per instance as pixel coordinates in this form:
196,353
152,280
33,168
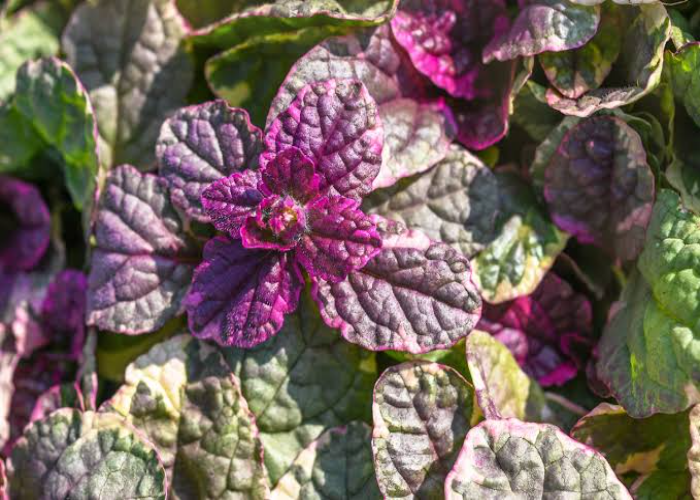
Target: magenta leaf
25,223
445,38
239,296
291,173
63,309
229,201
415,295
547,331
599,186
142,263
201,144
336,124
341,239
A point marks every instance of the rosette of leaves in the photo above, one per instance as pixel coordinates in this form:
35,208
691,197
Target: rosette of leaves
647,355
70,453
528,460
653,454
633,70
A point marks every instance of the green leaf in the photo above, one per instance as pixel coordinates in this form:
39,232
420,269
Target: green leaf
684,72
202,12
649,351
637,70
422,413
291,15
51,98
336,465
503,390
183,397
84,455
31,33
681,31
524,250
455,202
654,448
19,140
530,102
249,74
303,381
575,72
129,56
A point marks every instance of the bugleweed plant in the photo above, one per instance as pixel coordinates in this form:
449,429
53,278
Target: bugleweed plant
349,249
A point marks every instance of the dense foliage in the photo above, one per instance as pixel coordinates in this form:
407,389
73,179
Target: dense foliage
351,249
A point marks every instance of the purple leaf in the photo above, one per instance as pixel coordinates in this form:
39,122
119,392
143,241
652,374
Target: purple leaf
599,186
444,39
239,296
25,223
341,239
415,295
336,124
547,331
229,201
63,309
142,264
291,173
514,459
201,144
544,26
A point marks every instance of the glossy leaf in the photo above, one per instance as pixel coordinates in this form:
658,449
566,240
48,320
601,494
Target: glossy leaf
83,455
683,67
455,202
50,97
202,144
182,396
302,382
529,461
502,389
544,26
422,413
525,247
128,56
336,465
142,262
416,295
599,187
646,28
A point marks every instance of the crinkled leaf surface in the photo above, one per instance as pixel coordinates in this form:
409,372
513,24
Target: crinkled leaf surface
128,55
182,395
50,97
526,245
84,455
575,72
20,142
599,187
544,26
417,130
455,202
653,447
302,382
683,70
422,413
336,124
336,465
548,331
31,33
502,389
239,296
201,144
142,262
281,16
648,353
416,295
444,40
637,70
530,461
